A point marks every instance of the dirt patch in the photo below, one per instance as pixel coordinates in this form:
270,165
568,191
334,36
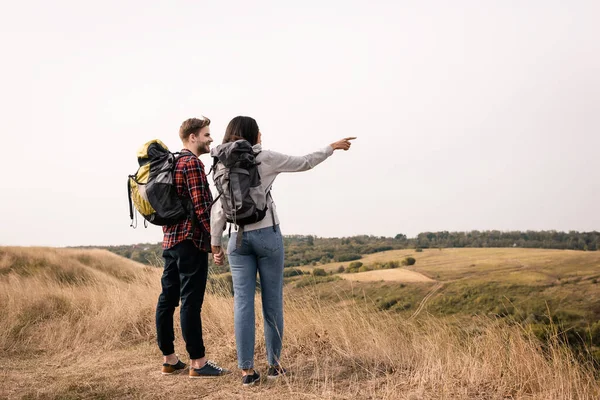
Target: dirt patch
396,275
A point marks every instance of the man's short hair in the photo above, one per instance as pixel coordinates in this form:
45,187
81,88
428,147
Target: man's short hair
192,125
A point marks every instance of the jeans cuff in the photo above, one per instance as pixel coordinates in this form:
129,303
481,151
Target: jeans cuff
196,356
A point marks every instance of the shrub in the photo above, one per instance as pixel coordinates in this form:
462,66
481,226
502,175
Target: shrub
319,272
348,257
364,268
287,272
315,280
418,250
355,265
341,269
409,261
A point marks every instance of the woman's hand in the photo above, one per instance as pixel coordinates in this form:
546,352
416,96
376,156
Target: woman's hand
218,255
343,144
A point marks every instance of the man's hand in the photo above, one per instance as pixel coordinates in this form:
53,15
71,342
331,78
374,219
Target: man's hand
343,144
218,255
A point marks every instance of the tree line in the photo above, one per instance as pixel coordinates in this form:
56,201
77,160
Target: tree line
313,250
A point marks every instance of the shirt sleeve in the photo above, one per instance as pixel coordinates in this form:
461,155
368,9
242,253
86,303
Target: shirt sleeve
217,223
285,163
196,185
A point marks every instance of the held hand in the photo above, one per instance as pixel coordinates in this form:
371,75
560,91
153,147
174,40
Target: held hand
218,255
343,144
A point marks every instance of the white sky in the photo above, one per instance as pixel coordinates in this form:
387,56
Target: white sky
469,114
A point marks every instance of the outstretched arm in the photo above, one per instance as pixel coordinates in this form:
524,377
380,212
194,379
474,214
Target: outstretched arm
285,163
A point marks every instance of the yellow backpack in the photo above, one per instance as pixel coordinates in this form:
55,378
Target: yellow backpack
152,188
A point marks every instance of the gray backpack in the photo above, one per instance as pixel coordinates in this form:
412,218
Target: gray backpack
236,177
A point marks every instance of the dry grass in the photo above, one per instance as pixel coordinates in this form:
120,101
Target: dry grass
80,324
396,275
514,265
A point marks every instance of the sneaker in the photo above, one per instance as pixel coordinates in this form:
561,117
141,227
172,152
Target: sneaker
209,370
169,369
251,380
275,371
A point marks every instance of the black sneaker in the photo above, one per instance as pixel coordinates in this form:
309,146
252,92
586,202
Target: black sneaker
169,369
275,371
251,380
209,370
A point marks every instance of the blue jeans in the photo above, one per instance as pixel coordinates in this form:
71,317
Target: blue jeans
262,251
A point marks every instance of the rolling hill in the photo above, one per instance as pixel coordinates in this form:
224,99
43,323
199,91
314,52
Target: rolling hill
80,324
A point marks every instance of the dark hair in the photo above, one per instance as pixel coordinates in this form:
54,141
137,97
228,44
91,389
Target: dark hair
192,125
242,128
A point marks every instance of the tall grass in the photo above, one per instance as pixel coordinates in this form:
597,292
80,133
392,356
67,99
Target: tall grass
335,351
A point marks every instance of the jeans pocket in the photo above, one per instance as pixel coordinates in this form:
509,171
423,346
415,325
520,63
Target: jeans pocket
231,244
270,240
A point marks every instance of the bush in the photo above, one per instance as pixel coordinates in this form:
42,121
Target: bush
391,265
348,257
364,268
319,272
312,280
287,272
419,250
341,269
409,261
355,265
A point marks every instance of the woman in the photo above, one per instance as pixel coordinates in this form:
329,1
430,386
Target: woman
260,250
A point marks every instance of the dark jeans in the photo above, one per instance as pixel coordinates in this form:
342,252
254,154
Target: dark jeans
185,274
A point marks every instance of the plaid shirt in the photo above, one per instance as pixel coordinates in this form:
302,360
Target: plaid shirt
190,181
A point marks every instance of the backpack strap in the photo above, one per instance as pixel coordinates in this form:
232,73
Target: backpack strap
130,201
240,237
213,167
272,210
132,213
187,201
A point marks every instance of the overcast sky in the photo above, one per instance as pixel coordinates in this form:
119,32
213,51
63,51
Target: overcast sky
469,114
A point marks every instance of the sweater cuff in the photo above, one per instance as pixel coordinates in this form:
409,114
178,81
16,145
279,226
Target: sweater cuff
329,150
215,240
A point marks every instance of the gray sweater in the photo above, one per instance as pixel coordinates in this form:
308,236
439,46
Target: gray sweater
271,165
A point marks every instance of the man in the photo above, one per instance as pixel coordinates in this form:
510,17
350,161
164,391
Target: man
185,250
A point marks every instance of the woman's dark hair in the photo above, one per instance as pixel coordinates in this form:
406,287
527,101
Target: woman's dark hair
242,128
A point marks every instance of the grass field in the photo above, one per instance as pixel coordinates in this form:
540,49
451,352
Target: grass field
535,287
80,324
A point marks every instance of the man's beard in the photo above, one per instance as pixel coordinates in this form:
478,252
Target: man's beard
203,149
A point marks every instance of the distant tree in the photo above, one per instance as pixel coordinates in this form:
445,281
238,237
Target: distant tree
400,236
319,272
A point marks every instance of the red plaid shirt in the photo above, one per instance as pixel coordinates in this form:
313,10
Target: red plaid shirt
190,181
